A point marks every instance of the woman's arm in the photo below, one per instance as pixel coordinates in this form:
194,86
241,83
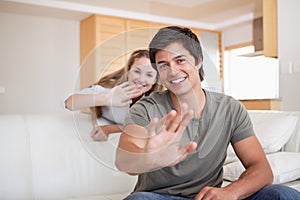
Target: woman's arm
118,96
79,101
101,133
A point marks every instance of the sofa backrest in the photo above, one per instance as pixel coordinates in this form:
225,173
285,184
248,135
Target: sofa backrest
15,154
54,157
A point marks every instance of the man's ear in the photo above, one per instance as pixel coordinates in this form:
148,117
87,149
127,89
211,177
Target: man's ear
200,64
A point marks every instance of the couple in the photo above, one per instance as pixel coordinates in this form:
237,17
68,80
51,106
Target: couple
176,140
111,97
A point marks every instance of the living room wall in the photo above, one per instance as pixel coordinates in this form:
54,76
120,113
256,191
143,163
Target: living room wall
39,62
288,54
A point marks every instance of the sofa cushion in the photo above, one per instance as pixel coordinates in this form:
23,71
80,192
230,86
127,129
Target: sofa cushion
272,129
68,164
285,167
15,168
293,145
102,197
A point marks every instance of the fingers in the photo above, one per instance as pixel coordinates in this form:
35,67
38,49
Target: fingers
189,147
152,127
185,121
165,122
94,131
129,87
98,134
127,91
125,103
178,122
205,193
120,97
184,152
136,94
174,122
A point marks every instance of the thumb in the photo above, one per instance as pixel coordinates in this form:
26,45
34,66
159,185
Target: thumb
190,147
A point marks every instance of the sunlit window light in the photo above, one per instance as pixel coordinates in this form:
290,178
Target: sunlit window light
250,77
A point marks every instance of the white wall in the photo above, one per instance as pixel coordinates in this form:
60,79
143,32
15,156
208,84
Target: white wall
39,62
289,53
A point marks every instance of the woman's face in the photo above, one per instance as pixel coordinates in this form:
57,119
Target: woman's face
142,74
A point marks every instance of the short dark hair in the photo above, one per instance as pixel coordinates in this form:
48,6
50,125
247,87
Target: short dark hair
171,34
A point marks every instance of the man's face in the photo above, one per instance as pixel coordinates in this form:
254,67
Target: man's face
177,69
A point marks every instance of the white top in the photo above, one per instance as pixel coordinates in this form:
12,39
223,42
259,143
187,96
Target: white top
113,114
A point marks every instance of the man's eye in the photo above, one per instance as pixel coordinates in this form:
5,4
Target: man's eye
162,66
180,61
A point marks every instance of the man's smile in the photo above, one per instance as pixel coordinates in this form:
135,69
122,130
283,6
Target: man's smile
178,80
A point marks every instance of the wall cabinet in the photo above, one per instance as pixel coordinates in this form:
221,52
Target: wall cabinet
270,32
101,40
106,43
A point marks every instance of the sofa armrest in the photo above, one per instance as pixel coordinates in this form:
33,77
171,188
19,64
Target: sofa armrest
293,144
293,141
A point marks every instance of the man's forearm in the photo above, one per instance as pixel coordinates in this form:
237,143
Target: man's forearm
251,181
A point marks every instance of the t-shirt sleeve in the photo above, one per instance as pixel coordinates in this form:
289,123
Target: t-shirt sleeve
243,127
137,115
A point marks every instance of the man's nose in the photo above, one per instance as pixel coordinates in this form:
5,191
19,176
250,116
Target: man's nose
174,67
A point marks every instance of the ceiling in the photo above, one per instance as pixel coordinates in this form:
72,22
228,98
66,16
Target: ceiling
211,14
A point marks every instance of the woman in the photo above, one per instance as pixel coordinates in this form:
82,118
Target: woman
112,95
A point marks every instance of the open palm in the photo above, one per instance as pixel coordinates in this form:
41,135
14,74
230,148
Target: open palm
121,95
164,145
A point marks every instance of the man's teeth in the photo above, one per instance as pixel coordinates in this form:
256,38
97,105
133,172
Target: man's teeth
140,86
178,80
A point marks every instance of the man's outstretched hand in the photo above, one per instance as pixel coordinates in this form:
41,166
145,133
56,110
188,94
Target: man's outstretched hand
157,146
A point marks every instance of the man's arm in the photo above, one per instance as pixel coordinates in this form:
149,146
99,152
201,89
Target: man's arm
144,149
258,173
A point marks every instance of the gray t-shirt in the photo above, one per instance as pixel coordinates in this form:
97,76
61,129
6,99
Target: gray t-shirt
224,120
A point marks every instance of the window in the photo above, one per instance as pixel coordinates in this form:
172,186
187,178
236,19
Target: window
250,77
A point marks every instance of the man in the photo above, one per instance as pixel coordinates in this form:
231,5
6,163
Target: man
176,140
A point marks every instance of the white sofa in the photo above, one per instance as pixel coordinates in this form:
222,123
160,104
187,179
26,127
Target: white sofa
53,157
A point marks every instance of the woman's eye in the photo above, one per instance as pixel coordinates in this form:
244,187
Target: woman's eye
136,71
150,75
